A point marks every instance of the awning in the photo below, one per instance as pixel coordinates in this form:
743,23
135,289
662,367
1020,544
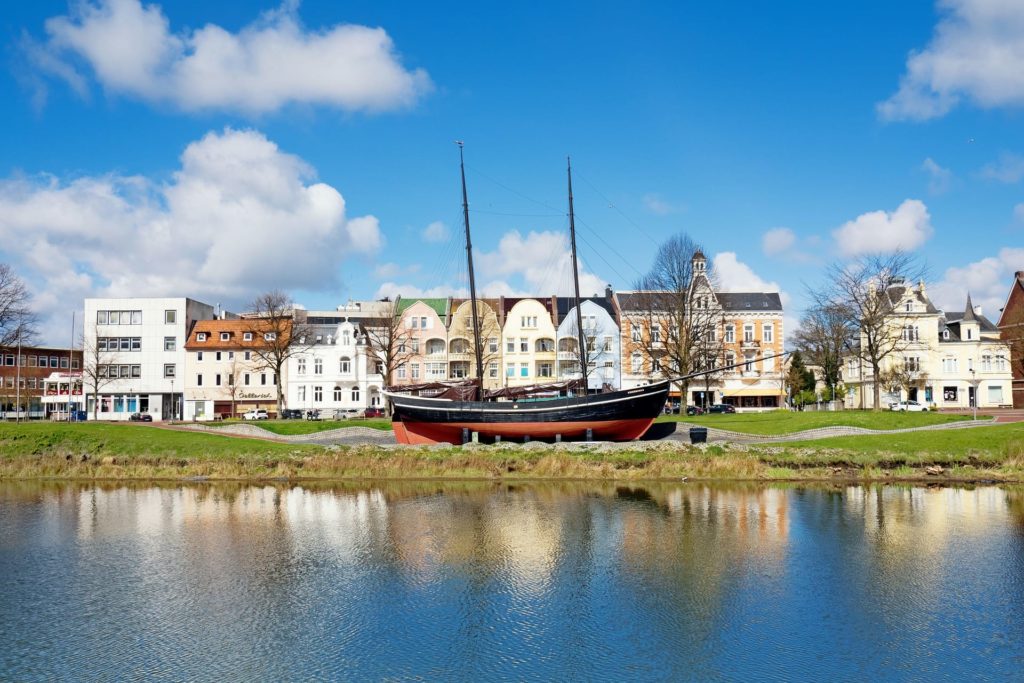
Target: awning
753,392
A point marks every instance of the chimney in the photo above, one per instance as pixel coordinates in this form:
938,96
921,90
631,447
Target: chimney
920,287
1019,274
608,292
977,310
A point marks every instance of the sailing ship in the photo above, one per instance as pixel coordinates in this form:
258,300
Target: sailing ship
621,415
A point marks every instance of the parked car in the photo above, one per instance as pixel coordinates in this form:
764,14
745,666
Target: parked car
312,414
291,414
374,412
349,413
140,417
694,410
722,408
257,414
908,406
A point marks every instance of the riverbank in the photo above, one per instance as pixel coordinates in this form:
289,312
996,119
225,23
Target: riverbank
121,451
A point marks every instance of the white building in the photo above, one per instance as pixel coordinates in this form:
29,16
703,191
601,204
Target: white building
135,348
336,372
223,376
603,342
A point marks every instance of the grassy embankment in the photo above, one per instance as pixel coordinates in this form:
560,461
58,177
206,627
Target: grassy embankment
294,427
127,451
787,422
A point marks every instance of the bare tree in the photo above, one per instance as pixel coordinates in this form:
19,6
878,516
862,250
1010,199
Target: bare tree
825,331
234,374
866,291
589,354
281,332
388,343
901,376
17,321
679,314
96,364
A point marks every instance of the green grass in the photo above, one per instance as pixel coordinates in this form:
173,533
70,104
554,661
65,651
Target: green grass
290,427
787,421
99,439
997,441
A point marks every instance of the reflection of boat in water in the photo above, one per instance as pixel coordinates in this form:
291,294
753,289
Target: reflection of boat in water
620,415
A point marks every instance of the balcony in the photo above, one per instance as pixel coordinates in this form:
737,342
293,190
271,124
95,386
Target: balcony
750,344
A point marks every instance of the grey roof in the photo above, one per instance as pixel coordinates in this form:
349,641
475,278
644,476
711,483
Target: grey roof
896,293
749,301
639,301
566,303
968,314
957,317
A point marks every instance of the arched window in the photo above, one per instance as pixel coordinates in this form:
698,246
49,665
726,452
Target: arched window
337,394
345,365
355,394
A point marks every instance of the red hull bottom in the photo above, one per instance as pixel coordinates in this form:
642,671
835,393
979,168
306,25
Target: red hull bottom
451,432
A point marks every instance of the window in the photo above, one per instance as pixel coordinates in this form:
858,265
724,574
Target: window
199,380
318,366
949,365
528,321
170,317
510,345
245,379
767,333
524,369
225,336
634,332
355,394
510,369
748,364
711,335
31,361
949,394
768,364
492,369
216,379
337,394
912,363
345,365
199,356
22,360
730,333
995,394
170,343
318,394
301,394
415,345
263,379
656,334
544,370
415,367
986,363
908,306
54,362
636,363
1000,363
200,336
748,332
270,336
9,359
730,359
970,333
74,363
231,380
217,356
607,344
945,333
545,345
101,317
247,336
248,355
423,325
415,323
300,368
524,345
399,371
492,344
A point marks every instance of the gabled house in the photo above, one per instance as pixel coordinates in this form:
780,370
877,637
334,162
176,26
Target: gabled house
1011,331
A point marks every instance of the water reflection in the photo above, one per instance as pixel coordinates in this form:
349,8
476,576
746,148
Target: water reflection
475,580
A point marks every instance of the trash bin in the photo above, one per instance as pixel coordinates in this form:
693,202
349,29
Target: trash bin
698,434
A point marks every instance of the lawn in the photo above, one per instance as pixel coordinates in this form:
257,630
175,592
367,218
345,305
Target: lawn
996,443
126,439
788,421
313,426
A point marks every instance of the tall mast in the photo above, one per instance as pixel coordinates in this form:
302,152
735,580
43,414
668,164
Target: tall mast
582,341
477,345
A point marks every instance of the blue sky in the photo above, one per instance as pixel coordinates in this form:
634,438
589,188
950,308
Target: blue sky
217,150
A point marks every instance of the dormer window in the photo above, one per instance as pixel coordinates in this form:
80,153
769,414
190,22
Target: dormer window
945,334
247,336
909,306
201,337
269,336
225,336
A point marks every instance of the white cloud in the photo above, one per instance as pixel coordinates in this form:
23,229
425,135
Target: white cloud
736,276
131,50
238,218
657,205
906,228
939,178
976,52
1009,169
435,232
542,260
987,280
777,241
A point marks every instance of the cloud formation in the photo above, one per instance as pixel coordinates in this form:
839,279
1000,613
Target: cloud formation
976,53
435,232
906,228
131,50
777,241
939,178
1008,169
239,217
987,280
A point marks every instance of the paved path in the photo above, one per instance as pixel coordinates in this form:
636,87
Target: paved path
660,432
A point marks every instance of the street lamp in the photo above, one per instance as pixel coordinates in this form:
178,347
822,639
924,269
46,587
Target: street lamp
173,410
974,399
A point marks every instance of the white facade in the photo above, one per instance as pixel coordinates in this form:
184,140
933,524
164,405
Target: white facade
603,342
335,372
144,339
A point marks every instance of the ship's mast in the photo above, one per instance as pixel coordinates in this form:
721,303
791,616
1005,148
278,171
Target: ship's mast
582,341
477,344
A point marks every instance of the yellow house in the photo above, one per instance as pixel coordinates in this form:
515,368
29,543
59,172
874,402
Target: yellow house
528,345
461,357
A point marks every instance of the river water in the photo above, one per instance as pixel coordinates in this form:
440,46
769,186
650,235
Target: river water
479,581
